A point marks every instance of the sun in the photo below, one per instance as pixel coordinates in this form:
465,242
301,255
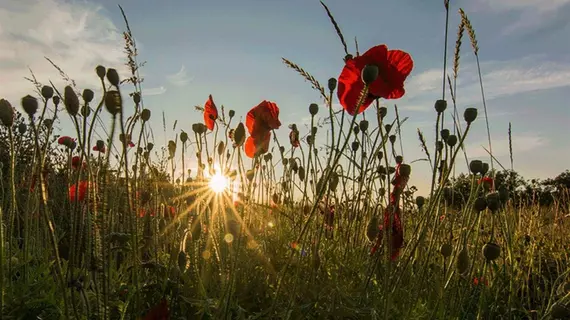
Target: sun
218,183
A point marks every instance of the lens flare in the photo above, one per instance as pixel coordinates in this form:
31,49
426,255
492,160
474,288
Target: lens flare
218,183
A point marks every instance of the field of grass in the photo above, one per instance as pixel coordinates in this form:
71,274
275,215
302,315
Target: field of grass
118,228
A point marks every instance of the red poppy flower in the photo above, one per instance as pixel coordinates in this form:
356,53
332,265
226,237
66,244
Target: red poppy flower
159,312
260,120
75,162
169,212
482,281
487,182
210,113
127,140
394,66
81,191
143,212
102,150
66,141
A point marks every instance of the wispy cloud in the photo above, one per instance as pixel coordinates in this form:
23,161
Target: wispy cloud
500,78
522,143
154,91
77,36
180,78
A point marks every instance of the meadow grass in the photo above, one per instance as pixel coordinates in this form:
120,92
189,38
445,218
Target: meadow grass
100,229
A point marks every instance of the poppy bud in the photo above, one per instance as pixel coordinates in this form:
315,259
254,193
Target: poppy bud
444,134
249,174
356,130
47,92
399,159
113,102
22,128
310,139
313,109
145,115
232,113
149,146
55,100
85,110
113,77
301,173
182,261
101,71
333,182
446,250
136,98
420,201
379,155
100,144
388,127
392,138
382,170
48,123
440,106
491,251
476,166
363,125
30,105
221,148
183,137
281,149
88,95
239,134
332,84
267,157
470,115
493,201
285,161
405,170
6,113
480,204
369,73
452,140
71,101
484,168
463,261
355,146
294,165
372,229
382,111
171,148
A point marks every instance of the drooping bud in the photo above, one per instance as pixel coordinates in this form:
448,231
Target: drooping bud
484,168
333,182
463,261
136,97
399,159
55,100
313,109
470,115
30,105
71,101
47,92
239,135
379,155
480,204
388,127
145,115
221,148
301,173
440,106
113,102
113,77
369,73
100,144
356,130
392,138
493,201
405,170
149,146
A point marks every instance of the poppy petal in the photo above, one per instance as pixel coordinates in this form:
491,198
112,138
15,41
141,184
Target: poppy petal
210,113
402,61
250,147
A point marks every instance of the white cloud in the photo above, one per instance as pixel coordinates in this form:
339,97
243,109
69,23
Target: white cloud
522,143
500,78
180,78
154,91
76,36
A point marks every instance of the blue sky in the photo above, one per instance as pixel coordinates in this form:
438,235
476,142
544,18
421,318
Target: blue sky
233,49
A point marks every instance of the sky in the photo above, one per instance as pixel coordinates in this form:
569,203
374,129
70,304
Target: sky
233,49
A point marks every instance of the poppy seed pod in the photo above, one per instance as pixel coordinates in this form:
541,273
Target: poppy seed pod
239,134
6,113
249,174
48,123
405,170
100,144
149,146
476,166
420,201
281,149
355,146
30,105
221,148
183,137
399,159
444,134
439,145
101,71
332,84
55,100
440,106
88,95
470,115
484,168
267,157
145,115
314,130
113,102
369,73
301,173
22,128
232,113
388,127
480,204
379,155
463,261
452,140
372,229
333,182
446,249
136,98
356,130
493,201
310,139
382,112
363,125
113,77
491,251
85,110
313,109
392,138
47,92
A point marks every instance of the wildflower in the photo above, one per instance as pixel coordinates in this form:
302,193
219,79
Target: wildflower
127,140
80,191
66,141
99,146
169,212
210,113
294,136
75,162
394,66
482,281
260,120
143,213
486,182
